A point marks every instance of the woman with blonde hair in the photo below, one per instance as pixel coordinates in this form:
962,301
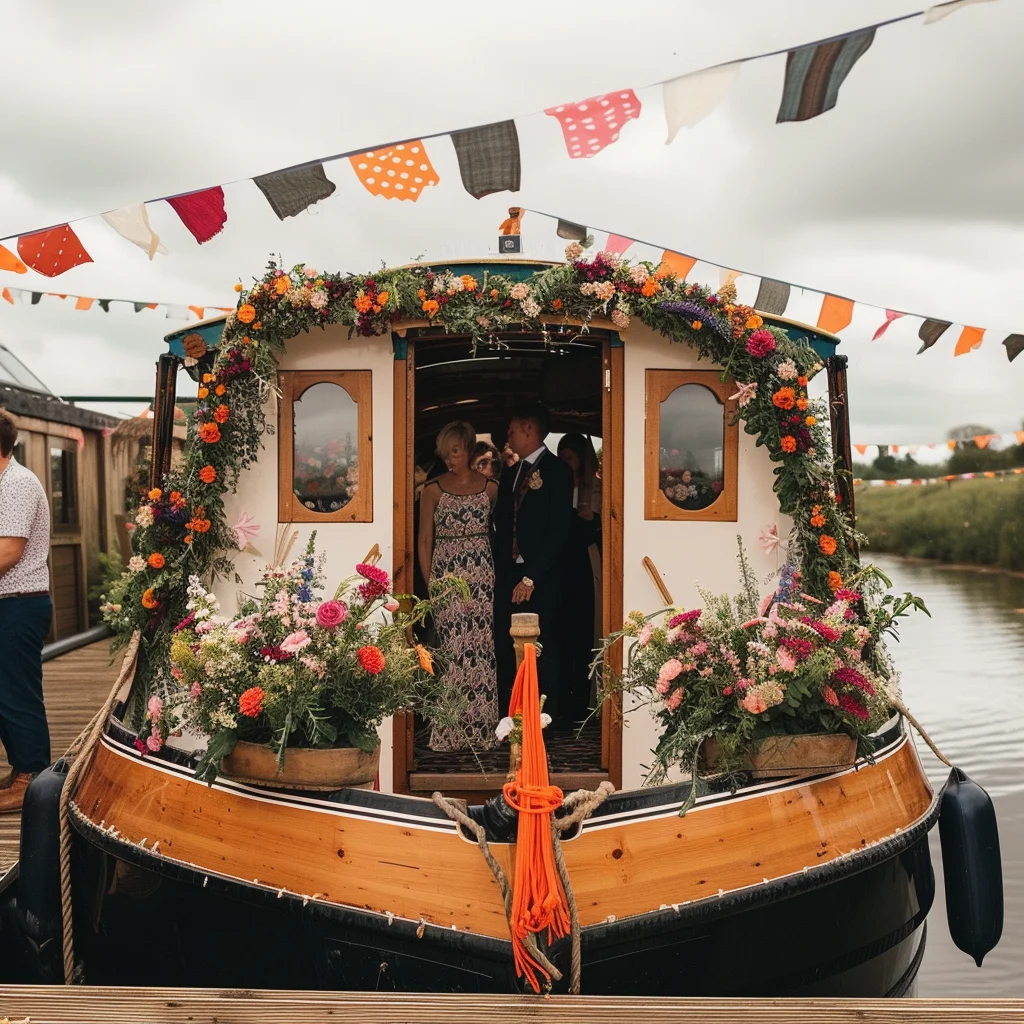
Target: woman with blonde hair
454,538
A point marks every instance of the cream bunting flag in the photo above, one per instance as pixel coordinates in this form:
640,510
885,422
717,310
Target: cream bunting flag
939,11
690,98
132,223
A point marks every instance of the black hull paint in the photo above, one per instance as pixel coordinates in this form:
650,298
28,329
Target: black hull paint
857,934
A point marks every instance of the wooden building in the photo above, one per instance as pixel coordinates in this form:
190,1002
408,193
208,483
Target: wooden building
68,448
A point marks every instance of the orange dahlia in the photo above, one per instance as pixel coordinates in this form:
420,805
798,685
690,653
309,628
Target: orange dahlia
148,600
203,392
250,703
784,398
788,443
650,287
801,403
220,414
156,560
430,307
154,494
827,544
371,658
219,390
207,474
282,284
362,304
210,433
835,581
246,313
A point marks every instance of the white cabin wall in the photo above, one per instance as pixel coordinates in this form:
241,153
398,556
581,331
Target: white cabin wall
686,553
344,544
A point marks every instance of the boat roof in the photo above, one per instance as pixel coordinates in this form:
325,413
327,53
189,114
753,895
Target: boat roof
821,341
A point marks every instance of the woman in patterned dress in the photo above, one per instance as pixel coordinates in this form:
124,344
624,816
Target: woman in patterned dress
454,538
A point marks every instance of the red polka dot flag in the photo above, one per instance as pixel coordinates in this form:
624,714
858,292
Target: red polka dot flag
54,251
590,125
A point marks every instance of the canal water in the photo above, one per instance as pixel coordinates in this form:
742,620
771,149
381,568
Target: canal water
963,678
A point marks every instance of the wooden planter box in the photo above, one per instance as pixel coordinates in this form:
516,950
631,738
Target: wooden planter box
779,756
304,767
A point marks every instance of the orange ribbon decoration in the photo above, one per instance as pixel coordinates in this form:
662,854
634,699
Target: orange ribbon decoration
510,225
538,900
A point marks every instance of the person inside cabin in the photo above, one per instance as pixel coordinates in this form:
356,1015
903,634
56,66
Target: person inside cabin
583,571
533,518
25,613
486,460
455,539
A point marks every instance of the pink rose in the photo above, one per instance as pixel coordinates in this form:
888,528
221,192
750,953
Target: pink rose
754,703
669,670
331,614
154,742
673,701
195,690
155,707
645,635
294,642
785,659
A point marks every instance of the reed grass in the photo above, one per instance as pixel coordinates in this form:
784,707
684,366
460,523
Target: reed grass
972,522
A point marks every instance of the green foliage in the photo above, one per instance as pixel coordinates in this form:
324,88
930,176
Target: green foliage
970,522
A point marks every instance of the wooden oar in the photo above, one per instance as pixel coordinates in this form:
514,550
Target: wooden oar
652,571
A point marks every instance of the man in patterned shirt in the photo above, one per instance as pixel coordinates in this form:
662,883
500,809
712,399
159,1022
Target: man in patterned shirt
25,612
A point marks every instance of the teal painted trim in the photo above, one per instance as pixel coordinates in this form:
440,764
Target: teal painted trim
513,271
616,340
823,344
401,348
211,333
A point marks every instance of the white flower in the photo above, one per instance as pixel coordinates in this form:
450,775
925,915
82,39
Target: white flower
520,291
438,286
573,251
530,307
144,517
136,563
545,721
309,271
787,370
504,729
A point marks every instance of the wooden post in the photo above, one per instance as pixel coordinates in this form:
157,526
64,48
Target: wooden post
163,419
839,417
524,630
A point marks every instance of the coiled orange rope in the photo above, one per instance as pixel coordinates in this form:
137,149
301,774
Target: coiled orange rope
538,899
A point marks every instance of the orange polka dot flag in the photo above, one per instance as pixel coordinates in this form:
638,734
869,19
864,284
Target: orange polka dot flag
401,171
591,125
53,252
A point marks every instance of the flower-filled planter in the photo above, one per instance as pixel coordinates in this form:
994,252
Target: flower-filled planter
784,685
291,691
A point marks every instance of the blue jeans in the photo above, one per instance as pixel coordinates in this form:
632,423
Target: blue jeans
24,623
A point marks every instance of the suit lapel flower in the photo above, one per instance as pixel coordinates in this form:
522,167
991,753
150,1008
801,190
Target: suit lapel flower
535,483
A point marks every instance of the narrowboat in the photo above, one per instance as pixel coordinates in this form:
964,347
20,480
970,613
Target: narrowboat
814,882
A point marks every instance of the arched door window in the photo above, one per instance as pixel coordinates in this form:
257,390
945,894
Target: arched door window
325,473
691,447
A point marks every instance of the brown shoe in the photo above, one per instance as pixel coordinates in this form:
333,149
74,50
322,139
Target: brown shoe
13,796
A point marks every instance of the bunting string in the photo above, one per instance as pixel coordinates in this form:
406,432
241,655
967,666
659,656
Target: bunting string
994,441
172,310
923,481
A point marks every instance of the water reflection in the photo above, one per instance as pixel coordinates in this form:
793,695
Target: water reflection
961,672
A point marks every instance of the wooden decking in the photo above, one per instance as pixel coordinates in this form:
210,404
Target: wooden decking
74,687
77,1005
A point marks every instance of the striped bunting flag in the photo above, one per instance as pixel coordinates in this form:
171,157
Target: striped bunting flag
815,73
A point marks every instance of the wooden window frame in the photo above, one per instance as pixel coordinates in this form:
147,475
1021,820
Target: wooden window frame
358,385
57,442
659,385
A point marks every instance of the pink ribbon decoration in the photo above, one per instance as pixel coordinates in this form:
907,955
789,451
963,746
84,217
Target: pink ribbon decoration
890,315
245,530
590,125
769,539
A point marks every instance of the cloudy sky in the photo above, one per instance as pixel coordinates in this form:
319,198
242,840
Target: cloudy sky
907,195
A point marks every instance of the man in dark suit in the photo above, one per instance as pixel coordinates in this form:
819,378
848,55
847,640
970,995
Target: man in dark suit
532,517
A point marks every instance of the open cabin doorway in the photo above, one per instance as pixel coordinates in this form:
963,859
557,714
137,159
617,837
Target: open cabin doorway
438,379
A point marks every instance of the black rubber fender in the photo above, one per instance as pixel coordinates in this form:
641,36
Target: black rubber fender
971,865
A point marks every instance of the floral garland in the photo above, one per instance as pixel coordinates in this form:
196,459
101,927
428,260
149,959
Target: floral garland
183,524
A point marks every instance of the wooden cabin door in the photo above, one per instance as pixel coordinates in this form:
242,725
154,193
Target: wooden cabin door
406,779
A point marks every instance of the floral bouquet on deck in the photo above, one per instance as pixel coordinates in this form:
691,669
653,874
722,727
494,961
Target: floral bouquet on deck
294,669
743,669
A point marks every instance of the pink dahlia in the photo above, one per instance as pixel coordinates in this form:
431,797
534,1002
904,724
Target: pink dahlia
377,582
295,642
761,343
851,677
853,707
683,617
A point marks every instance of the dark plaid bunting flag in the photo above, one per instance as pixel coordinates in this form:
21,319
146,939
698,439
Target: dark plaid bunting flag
291,192
930,332
772,296
1014,344
489,158
574,232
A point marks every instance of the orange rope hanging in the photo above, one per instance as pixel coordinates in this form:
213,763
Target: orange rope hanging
538,901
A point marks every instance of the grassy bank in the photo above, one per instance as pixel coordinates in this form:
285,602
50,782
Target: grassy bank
974,522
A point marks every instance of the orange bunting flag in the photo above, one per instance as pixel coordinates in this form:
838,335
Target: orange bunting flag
862,449
1019,435
401,171
7,297
970,339
982,440
82,302
592,124
200,311
677,263
836,313
8,261
53,252
951,445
